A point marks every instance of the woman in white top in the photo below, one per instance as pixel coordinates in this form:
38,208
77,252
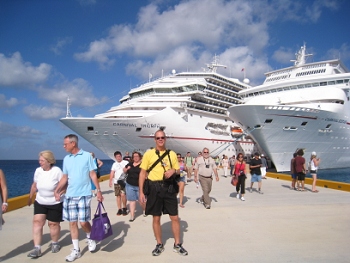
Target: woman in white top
3,197
314,163
225,164
46,179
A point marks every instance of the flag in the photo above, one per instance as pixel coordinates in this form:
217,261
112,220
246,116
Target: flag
242,69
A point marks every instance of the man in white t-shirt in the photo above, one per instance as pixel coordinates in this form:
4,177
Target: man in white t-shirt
119,187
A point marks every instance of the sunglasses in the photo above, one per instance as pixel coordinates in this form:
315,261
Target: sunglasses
160,138
205,152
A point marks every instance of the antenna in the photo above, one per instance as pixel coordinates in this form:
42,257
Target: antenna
301,56
215,64
69,114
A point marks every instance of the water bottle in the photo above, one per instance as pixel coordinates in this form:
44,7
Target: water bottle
197,185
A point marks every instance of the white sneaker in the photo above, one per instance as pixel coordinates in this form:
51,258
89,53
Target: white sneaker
73,255
237,196
242,198
91,244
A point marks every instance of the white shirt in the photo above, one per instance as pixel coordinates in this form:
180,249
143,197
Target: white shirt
46,183
118,169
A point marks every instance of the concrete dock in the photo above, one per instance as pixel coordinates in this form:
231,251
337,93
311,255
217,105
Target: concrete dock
281,225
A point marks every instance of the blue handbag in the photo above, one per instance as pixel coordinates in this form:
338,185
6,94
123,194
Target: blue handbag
101,226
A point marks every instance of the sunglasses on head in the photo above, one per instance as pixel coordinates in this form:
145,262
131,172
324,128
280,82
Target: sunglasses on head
160,138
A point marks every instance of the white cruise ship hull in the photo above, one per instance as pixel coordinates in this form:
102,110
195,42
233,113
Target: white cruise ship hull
185,133
281,127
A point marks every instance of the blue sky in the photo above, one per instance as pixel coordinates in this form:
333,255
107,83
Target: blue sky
94,51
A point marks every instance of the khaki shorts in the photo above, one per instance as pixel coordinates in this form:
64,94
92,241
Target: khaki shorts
118,190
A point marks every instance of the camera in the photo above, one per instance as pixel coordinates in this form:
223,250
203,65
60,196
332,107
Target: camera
241,172
207,166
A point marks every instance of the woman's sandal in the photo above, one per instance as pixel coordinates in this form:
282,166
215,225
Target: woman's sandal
316,191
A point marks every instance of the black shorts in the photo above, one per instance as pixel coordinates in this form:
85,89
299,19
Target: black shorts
301,176
53,212
160,200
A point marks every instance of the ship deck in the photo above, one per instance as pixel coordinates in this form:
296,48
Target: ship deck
282,225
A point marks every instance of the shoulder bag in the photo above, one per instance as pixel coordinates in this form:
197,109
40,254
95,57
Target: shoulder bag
101,226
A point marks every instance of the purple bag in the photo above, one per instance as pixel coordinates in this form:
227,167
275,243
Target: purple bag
101,226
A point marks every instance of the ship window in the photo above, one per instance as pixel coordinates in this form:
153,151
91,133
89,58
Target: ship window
268,120
339,81
346,80
331,82
138,129
323,84
304,123
90,128
257,126
328,126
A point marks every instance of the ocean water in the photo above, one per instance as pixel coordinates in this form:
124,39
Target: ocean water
19,174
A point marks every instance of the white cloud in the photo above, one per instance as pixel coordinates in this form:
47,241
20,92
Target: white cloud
216,27
8,103
163,32
43,113
342,53
12,131
314,11
284,55
15,72
61,43
79,91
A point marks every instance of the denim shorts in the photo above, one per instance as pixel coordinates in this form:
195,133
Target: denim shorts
256,178
77,208
132,192
181,179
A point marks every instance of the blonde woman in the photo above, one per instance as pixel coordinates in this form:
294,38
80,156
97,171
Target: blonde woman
3,197
314,163
46,178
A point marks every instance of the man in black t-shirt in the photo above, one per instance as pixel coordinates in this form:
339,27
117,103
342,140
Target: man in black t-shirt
255,171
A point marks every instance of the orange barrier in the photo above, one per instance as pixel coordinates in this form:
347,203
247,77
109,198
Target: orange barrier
320,182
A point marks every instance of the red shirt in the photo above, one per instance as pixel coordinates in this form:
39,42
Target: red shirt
239,167
299,164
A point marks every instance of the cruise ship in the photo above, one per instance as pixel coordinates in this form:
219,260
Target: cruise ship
191,108
305,106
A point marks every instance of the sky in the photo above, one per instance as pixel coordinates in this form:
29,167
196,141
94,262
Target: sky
95,51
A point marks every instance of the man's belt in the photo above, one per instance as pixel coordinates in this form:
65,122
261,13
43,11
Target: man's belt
206,176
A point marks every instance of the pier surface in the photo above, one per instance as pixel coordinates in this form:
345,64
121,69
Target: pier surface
281,225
